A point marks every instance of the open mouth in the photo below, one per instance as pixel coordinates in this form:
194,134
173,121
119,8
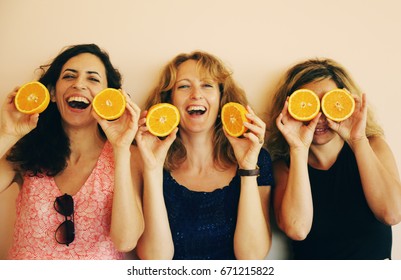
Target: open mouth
319,130
196,110
78,102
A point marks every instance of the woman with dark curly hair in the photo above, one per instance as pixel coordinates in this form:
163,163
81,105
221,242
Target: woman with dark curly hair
77,199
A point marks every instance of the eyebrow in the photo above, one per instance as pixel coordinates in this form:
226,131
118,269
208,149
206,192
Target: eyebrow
89,72
182,80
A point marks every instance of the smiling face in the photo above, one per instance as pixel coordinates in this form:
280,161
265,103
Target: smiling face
323,134
197,97
81,78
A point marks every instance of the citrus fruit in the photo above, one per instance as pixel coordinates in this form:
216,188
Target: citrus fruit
233,116
32,98
338,105
303,105
109,104
162,118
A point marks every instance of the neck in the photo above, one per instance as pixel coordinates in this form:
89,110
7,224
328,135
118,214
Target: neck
324,156
199,150
84,143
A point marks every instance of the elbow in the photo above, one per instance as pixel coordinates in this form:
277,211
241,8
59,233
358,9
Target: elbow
295,232
127,242
252,251
155,256
297,235
258,254
391,218
144,253
124,244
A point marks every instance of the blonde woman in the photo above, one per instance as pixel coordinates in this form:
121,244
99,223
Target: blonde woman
196,204
337,189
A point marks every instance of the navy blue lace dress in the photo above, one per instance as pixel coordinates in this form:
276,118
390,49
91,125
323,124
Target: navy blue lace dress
203,223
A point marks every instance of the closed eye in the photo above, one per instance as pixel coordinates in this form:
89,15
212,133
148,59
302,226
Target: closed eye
68,76
94,79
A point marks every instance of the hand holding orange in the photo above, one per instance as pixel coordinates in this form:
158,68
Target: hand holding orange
337,105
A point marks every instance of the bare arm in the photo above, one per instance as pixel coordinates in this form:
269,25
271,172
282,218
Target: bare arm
376,164
6,168
156,241
13,126
252,238
127,222
380,179
292,197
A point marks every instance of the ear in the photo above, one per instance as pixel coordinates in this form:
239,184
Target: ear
53,95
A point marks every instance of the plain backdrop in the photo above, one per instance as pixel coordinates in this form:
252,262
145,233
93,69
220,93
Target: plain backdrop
257,39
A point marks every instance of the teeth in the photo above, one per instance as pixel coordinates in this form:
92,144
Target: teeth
196,108
78,99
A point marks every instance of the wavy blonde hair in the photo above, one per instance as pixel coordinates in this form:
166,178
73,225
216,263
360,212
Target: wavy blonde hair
303,73
210,66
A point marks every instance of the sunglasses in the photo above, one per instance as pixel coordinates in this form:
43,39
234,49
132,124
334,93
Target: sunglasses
65,233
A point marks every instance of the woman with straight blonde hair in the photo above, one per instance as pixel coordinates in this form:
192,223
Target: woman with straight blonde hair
337,189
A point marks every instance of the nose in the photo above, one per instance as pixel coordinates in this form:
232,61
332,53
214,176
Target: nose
322,118
79,83
196,93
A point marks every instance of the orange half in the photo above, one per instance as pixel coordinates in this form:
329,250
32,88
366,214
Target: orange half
162,118
338,105
32,98
233,116
303,105
109,104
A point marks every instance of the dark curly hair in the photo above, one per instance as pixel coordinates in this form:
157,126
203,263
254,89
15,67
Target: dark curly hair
46,148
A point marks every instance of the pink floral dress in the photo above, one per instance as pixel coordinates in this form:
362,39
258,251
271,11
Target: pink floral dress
37,220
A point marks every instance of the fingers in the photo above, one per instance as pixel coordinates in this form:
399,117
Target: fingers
10,97
171,137
333,125
256,126
33,120
285,108
364,106
313,123
279,122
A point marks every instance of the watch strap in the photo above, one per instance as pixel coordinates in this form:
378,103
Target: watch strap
249,172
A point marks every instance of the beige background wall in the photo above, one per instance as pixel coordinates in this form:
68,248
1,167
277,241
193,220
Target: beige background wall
258,39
